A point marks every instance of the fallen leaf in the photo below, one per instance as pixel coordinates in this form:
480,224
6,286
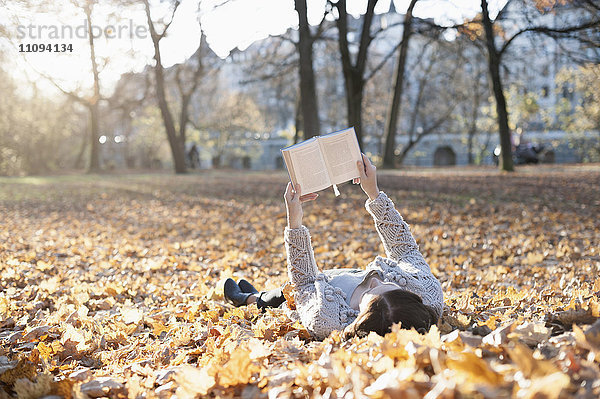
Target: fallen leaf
102,386
193,381
548,387
531,367
132,315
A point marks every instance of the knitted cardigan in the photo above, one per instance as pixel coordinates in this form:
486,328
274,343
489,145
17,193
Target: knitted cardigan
322,308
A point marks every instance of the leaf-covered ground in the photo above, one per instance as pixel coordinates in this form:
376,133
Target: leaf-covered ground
112,286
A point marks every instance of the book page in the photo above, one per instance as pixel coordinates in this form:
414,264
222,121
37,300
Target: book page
341,152
308,167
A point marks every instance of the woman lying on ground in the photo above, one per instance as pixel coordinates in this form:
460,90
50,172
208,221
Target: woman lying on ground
396,289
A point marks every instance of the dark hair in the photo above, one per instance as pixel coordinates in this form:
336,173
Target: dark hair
395,306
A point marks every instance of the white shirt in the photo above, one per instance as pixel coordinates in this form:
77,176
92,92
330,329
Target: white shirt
349,279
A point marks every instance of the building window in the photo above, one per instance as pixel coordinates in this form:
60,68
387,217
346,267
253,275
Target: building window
246,162
545,91
444,156
567,92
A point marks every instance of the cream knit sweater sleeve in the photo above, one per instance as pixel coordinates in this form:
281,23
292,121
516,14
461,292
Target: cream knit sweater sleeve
301,265
398,242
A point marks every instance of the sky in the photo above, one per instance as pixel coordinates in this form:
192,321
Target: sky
274,17
124,41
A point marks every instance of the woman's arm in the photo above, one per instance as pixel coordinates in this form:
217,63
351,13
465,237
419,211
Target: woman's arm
321,307
395,234
398,241
301,265
368,177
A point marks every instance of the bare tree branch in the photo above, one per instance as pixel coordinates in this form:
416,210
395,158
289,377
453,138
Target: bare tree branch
321,28
380,30
552,32
175,7
382,62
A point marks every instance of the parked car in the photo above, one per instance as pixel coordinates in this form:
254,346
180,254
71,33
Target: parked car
526,153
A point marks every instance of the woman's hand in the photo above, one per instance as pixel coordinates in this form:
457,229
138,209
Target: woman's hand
293,203
368,177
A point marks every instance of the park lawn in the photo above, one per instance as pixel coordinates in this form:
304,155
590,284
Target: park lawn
112,286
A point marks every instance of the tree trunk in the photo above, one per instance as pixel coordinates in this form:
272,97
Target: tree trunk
471,160
79,164
390,141
174,142
94,138
308,92
354,97
93,106
484,147
183,119
297,122
176,145
354,79
506,162
186,92
473,125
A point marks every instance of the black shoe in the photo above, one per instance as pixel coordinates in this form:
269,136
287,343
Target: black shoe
233,294
245,286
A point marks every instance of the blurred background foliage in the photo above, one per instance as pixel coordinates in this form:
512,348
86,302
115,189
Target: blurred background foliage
206,111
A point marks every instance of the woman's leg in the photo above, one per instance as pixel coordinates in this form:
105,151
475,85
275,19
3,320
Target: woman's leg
270,299
267,299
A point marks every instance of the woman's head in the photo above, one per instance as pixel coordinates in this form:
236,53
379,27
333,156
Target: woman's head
380,310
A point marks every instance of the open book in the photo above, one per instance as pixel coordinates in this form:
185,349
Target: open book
323,161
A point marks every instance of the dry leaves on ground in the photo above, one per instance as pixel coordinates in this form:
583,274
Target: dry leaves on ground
112,287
